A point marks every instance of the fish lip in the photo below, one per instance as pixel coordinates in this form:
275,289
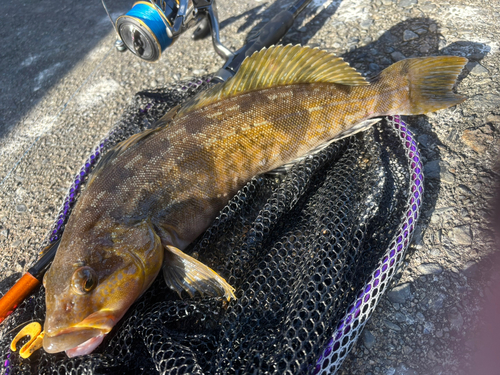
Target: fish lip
69,340
86,347
101,320
96,324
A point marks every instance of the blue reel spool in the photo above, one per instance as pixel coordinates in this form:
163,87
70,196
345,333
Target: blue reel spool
143,29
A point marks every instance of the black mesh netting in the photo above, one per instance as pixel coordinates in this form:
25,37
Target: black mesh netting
309,253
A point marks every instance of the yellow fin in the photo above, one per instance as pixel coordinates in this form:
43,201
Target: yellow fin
184,273
279,66
430,82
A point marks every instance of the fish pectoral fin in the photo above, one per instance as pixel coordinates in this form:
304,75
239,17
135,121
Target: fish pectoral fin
184,273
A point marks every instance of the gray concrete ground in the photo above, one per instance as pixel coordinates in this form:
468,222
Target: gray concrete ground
63,86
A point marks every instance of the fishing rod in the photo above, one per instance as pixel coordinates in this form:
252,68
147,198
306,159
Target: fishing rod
28,282
147,30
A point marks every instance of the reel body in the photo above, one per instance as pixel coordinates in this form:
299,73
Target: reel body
144,29
152,26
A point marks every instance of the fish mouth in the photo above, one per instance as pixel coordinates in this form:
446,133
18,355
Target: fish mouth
80,339
77,341
85,348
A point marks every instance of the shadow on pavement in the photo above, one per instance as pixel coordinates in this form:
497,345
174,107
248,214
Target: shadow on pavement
45,41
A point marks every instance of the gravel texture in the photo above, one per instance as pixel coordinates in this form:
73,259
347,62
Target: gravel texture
63,86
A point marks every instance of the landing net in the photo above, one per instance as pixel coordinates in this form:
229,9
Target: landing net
310,253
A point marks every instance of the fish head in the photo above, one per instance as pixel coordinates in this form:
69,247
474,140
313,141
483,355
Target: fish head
92,283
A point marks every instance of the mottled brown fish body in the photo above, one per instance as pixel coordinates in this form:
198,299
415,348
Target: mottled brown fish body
154,193
184,174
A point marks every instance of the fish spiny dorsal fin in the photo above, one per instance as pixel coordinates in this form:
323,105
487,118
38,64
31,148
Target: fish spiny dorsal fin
279,66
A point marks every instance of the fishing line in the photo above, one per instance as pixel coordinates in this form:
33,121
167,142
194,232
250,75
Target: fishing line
110,18
56,116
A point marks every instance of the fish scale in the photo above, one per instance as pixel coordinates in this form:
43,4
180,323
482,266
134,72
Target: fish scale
156,192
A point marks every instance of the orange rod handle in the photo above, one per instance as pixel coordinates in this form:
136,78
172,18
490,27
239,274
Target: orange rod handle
17,294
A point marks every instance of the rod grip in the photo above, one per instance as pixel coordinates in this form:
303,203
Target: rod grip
272,32
17,294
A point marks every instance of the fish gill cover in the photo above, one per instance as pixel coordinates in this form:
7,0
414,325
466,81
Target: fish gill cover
309,253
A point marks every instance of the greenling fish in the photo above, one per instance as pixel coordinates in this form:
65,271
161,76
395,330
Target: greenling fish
156,192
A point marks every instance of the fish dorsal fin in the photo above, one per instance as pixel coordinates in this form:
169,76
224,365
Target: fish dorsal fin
279,66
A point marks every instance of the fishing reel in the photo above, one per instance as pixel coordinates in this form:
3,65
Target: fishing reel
152,26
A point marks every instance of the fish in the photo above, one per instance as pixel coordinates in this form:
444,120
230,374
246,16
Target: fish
153,194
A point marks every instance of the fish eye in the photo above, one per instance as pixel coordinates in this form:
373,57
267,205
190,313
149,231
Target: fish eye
84,279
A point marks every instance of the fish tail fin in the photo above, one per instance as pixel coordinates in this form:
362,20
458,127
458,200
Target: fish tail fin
184,273
430,81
